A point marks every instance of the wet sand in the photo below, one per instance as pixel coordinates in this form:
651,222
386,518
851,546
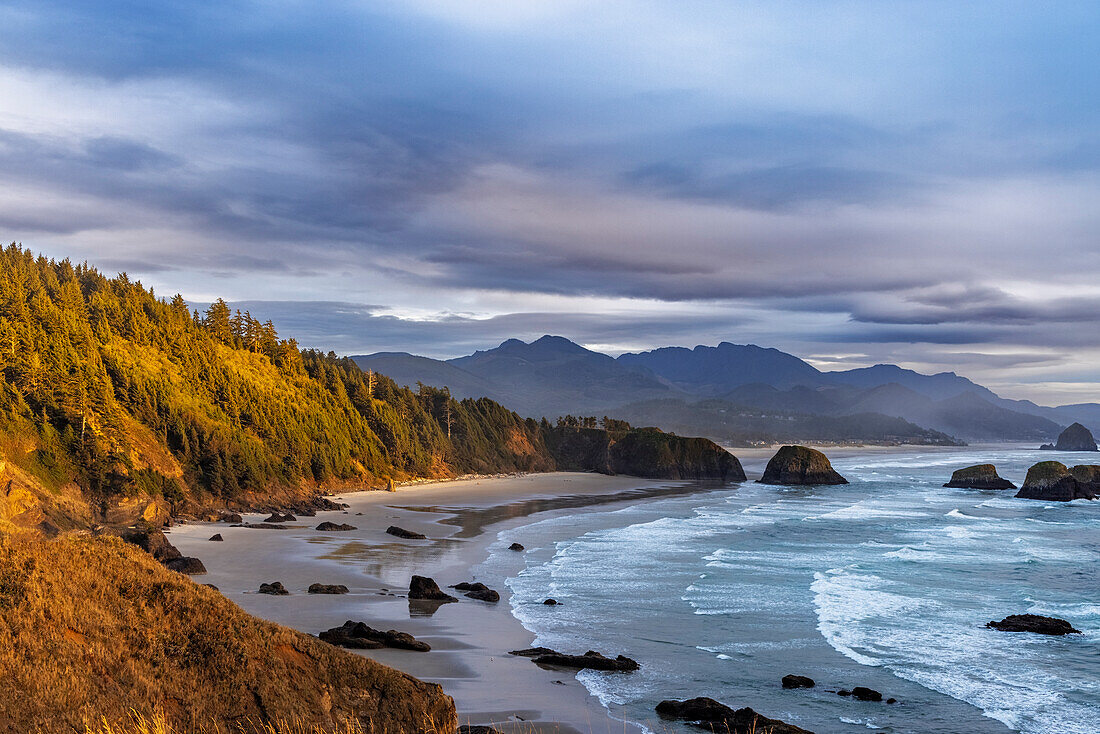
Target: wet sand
466,522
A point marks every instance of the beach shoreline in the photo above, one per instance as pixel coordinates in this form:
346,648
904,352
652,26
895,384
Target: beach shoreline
469,524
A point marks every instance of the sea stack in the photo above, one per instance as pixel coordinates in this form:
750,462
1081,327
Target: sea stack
979,476
800,465
1076,438
1051,481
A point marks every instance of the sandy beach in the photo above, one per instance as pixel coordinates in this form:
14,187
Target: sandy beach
467,522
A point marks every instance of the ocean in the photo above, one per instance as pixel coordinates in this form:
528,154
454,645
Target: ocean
886,582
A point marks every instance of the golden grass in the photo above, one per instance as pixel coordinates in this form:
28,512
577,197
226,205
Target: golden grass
92,630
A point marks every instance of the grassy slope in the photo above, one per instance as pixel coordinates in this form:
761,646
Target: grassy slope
91,628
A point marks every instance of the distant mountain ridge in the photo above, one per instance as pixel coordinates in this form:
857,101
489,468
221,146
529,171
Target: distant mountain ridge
554,376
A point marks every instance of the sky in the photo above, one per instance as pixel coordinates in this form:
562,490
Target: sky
852,182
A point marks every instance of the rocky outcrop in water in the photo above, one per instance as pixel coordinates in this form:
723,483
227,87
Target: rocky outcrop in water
422,588
515,547
797,681
1034,623
979,476
800,465
708,714
357,635
1051,481
1076,438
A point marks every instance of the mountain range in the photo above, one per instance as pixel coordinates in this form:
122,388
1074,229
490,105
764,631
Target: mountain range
735,393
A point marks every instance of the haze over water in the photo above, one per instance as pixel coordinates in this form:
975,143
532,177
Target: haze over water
886,582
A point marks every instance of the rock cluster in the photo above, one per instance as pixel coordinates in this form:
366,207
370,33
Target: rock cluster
979,476
277,517
708,714
799,465
357,635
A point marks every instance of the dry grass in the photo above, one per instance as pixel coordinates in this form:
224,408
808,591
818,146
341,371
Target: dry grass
92,630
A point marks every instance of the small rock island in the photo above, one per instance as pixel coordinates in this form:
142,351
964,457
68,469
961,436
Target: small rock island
1075,438
1052,481
979,476
800,465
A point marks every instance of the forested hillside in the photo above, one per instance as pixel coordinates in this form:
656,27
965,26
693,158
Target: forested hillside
127,395
117,404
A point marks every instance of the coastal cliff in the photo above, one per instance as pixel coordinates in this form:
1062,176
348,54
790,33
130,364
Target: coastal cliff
642,452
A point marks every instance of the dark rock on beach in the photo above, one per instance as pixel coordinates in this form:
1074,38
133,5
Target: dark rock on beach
591,660
1035,623
979,476
231,517
406,534
478,590
331,527
275,588
358,635
800,465
708,714
217,537
265,526
327,589
187,565
1051,481
515,547
1076,438
797,681
276,517
477,729
422,588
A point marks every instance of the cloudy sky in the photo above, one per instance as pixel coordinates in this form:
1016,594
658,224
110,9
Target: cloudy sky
854,182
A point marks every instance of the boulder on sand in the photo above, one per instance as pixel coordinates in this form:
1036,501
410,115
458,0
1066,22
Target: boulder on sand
403,533
275,588
217,537
478,590
979,476
153,542
357,635
422,588
276,517
1036,623
1076,438
327,589
708,714
1051,481
800,465
231,517
331,527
